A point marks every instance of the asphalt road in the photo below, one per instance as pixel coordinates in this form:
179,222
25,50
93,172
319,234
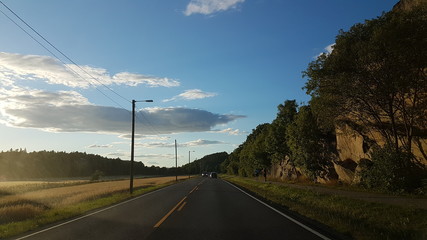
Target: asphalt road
201,208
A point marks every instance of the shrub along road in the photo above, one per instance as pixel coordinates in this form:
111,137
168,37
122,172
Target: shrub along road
201,208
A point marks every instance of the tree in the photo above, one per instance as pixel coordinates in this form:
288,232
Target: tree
253,155
307,144
375,78
276,144
392,170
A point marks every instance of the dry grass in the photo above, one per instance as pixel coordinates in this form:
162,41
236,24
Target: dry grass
16,187
24,200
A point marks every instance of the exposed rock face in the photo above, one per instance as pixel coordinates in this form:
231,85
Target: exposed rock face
353,153
353,147
354,150
350,144
406,4
285,170
345,170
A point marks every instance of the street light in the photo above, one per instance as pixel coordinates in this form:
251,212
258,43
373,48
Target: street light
132,147
189,172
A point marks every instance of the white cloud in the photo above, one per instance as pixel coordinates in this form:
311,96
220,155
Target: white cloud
208,7
191,94
152,163
117,154
330,48
69,111
229,131
15,67
327,50
156,145
199,142
100,146
150,137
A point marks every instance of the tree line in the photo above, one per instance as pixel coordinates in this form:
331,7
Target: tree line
375,79
20,164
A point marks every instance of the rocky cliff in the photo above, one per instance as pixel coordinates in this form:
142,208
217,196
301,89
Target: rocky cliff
353,147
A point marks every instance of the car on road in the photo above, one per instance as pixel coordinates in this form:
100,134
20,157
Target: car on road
205,174
213,175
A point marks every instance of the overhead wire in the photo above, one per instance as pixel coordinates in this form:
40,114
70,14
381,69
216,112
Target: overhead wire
59,59
74,63
148,122
63,54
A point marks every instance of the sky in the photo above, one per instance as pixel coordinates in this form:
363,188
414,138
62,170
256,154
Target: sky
215,69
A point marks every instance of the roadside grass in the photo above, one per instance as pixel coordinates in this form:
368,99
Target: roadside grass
353,218
16,187
27,211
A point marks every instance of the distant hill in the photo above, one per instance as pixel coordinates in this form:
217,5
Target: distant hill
209,163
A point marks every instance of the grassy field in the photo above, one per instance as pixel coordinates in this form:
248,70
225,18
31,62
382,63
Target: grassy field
353,218
27,205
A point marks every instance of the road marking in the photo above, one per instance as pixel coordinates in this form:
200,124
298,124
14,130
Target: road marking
90,214
182,206
284,215
169,213
175,208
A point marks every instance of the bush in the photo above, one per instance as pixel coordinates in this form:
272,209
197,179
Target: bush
97,175
392,170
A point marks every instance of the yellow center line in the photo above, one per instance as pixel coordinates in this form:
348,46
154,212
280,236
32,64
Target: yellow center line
193,189
174,208
169,213
182,206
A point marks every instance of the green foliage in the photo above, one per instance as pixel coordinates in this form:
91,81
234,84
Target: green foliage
392,170
294,134
276,145
307,143
19,164
253,155
375,77
96,176
209,163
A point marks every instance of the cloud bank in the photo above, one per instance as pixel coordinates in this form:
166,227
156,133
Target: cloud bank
192,94
207,7
69,111
199,142
50,70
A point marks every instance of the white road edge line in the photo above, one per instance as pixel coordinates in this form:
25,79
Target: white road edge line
90,214
284,215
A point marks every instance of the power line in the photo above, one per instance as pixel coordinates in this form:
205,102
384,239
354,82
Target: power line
148,122
74,63
63,54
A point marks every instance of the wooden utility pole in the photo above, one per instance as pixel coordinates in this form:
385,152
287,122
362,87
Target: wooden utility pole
132,147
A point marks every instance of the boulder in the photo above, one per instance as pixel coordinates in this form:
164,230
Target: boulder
345,170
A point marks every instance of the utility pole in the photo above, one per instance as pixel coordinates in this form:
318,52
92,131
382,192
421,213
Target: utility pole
189,169
132,147
176,162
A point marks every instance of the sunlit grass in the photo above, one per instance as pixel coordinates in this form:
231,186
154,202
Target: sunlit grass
355,218
22,211
15,187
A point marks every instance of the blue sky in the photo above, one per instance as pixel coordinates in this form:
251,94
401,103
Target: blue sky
215,69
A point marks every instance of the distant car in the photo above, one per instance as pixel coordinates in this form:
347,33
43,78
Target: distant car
213,175
205,174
